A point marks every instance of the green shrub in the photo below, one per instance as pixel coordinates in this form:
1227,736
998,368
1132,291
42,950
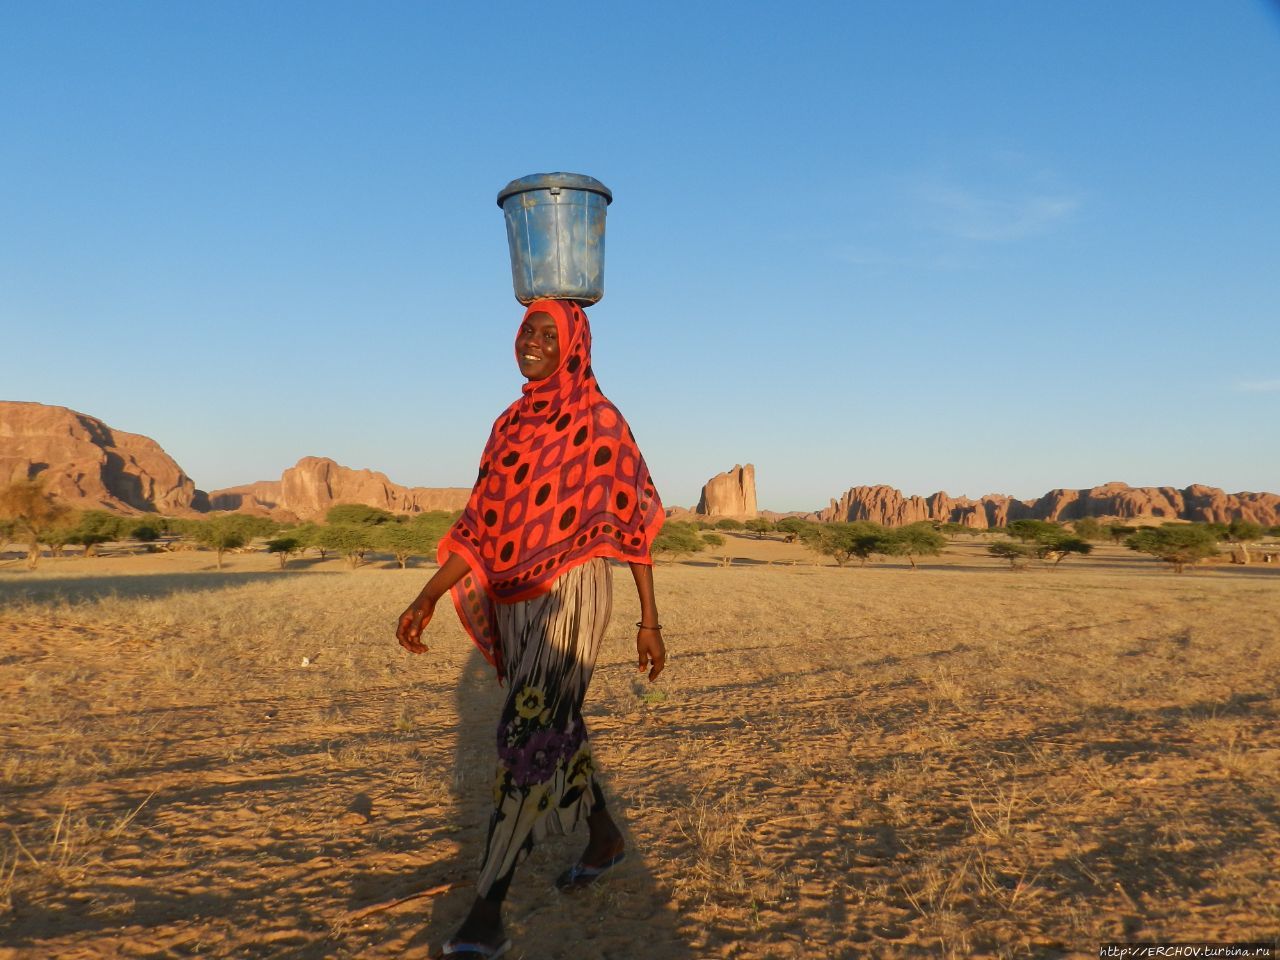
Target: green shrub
1177,544
1018,554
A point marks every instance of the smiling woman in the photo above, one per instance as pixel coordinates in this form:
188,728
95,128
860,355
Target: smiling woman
561,490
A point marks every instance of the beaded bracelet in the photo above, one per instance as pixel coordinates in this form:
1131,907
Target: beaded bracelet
643,626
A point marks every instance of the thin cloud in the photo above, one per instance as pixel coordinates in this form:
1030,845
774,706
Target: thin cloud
974,216
1258,386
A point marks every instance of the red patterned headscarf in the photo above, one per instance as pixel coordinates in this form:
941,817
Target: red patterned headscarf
561,481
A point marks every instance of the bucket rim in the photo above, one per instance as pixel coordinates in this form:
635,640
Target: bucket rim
543,181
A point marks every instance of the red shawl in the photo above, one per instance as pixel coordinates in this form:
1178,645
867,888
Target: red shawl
561,481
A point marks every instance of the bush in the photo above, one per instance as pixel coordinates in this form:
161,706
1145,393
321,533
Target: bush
1028,530
1088,528
793,528
1178,544
677,539
728,523
358,514
845,541
1119,531
760,526
1016,553
1242,530
146,531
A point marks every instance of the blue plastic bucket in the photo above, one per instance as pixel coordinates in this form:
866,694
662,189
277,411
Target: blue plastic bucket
555,231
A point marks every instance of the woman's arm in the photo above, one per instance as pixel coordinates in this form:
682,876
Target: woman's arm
418,614
652,651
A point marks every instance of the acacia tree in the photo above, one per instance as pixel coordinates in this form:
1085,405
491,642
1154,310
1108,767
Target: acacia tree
351,540
219,534
793,528
283,547
32,514
677,539
1059,547
58,537
418,538
759,526
915,540
1177,544
842,542
1016,553
308,536
717,542
359,514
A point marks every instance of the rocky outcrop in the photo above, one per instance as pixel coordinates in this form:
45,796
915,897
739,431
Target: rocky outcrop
89,465
314,484
262,498
730,494
887,505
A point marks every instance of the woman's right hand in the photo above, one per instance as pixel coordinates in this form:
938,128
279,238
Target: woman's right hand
412,622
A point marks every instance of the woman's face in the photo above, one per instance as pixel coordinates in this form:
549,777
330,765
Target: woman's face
538,347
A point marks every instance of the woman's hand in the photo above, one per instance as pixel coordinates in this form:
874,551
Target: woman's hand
418,614
652,651
413,621
649,645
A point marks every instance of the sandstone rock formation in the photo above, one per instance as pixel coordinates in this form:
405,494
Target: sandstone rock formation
730,494
314,484
887,505
89,465
262,498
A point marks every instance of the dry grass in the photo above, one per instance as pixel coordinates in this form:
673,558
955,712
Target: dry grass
959,761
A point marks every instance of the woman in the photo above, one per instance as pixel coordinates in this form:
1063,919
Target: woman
562,488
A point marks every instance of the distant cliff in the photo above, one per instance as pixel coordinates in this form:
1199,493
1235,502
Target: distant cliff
314,484
887,505
89,465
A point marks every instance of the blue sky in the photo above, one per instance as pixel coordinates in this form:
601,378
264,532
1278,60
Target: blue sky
993,247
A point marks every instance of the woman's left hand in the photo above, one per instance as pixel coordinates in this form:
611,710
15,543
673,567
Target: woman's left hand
412,622
652,651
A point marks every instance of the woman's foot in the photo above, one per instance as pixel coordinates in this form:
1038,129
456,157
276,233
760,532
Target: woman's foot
605,844
483,927
604,849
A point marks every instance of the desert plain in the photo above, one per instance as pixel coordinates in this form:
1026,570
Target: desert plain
957,761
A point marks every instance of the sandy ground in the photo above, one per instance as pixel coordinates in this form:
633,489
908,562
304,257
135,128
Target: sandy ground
957,761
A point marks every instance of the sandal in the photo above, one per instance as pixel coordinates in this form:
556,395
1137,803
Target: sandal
467,949
580,875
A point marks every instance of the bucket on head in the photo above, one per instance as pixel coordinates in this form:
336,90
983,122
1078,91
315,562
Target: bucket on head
555,231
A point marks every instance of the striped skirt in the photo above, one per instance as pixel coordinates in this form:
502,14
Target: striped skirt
544,784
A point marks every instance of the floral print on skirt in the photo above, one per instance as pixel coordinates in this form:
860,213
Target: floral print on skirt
544,784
